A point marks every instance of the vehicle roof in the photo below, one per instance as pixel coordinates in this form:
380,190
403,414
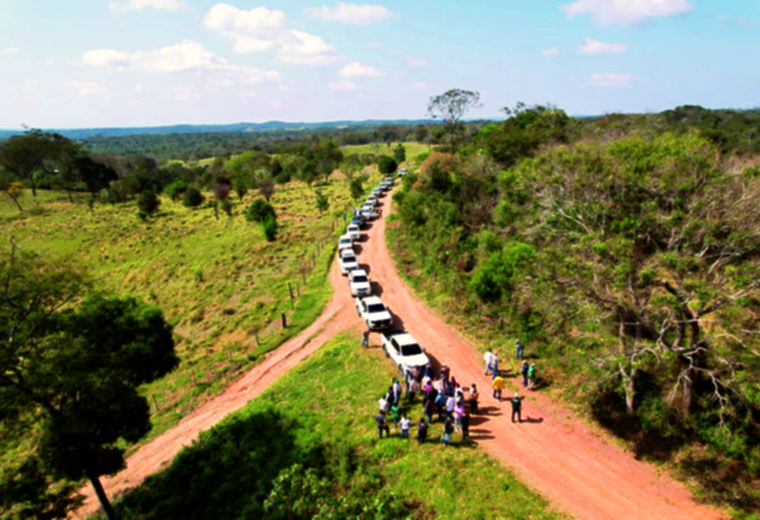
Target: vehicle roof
353,225
371,300
358,272
345,237
404,338
347,252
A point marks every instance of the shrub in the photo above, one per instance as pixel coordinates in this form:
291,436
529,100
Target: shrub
259,211
148,202
322,203
193,198
241,188
269,226
175,189
387,165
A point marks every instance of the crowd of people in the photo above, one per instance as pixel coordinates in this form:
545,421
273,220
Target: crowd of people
444,399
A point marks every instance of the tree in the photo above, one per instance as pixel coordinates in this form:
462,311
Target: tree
78,368
222,190
386,165
148,202
399,153
308,172
269,227
266,188
357,190
176,189
322,202
259,210
14,190
450,107
96,176
35,150
193,197
241,188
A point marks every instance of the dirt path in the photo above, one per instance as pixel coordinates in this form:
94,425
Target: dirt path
553,452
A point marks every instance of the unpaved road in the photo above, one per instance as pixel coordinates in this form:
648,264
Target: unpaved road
553,452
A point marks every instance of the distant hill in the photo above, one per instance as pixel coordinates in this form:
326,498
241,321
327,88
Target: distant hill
84,133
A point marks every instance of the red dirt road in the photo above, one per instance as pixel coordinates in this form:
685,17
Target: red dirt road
581,473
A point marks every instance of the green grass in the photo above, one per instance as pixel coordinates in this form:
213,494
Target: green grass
321,415
412,149
216,280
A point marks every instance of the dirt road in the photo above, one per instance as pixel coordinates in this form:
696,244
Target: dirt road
553,452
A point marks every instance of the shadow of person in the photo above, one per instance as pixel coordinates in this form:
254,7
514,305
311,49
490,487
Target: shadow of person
533,420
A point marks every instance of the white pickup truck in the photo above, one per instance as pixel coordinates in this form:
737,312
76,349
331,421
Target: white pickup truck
359,283
374,313
404,350
347,261
345,242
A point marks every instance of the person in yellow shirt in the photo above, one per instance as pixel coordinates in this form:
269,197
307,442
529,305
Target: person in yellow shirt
498,386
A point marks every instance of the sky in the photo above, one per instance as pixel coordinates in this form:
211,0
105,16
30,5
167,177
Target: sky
110,63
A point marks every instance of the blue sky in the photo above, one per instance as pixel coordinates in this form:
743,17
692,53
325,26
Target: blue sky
153,62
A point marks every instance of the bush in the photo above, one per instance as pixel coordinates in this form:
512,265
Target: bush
148,202
241,188
175,189
387,165
269,226
259,211
283,177
193,198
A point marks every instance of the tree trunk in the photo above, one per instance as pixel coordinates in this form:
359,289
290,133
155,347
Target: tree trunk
105,504
629,384
688,374
216,209
34,186
14,199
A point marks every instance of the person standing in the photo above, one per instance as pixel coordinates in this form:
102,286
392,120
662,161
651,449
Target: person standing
445,373
495,364
422,429
473,399
487,359
448,429
382,425
383,404
397,390
519,350
365,339
516,407
466,425
458,414
396,414
414,388
532,376
450,405
404,427
498,386
428,409
524,372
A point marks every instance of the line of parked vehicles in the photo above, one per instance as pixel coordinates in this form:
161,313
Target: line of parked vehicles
399,346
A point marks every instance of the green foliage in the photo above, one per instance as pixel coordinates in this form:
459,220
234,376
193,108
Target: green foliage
193,198
399,153
259,211
323,203
148,202
175,190
241,188
386,165
495,279
269,227
357,189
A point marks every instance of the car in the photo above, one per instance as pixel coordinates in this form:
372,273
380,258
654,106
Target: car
404,351
347,261
378,192
369,213
358,282
372,200
345,242
353,231
402,172
388,180
375,315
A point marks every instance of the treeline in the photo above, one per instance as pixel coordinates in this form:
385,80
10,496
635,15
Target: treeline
631,267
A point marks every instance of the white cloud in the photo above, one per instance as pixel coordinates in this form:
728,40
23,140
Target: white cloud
87,88
414,61
610,80
597,47
185,56
342,85
419,84
141,5
626,12
351,13
550,52
260,29
357,70
11,50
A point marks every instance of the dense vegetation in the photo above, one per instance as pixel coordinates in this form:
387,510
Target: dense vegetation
631,267
307,448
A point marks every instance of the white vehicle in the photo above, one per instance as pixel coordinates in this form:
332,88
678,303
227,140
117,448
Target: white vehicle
372,200
378,192
353,232
358,281
389,180
345,242
402,172
404,350
374,313
369,213
347,261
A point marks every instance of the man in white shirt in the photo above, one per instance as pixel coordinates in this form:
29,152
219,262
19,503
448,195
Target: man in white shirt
488,360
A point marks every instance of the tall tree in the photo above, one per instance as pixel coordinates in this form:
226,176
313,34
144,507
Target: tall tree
77,369
450,107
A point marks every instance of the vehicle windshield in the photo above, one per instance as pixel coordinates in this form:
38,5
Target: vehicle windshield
360,279
411,350
346,241
349,258
376,307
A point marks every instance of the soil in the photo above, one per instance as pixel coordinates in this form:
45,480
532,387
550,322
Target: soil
552,450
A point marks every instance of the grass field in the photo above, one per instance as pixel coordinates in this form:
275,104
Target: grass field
321,415
216,280
412,149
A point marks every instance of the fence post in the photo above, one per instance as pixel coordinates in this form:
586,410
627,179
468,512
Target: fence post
256,336
298,290
284,321
290,290
229,353
192,375
155,402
